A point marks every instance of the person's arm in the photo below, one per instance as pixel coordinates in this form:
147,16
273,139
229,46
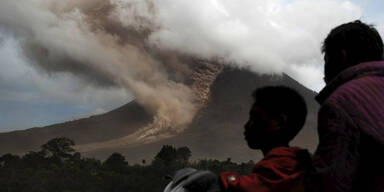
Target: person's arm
336,159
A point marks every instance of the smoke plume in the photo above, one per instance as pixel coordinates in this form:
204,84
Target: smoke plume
86,39
141,45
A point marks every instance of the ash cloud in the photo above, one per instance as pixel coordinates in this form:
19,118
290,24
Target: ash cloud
272,36
83,38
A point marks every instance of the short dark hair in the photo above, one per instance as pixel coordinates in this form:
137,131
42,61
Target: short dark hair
361,42
277,100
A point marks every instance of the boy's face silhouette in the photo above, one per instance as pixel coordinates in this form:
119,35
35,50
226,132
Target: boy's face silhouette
260,128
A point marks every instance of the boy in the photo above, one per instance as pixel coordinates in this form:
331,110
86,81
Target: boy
276,117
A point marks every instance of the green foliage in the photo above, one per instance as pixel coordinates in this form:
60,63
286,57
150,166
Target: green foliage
60,147
116,162
58,167
183,153
171,156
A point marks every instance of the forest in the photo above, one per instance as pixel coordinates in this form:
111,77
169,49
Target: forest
58,167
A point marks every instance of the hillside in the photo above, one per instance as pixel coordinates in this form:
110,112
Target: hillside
216,131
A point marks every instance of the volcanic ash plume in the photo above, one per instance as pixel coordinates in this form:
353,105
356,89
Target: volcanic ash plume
87,39
203,76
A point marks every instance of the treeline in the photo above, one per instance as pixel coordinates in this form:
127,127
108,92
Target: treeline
57,167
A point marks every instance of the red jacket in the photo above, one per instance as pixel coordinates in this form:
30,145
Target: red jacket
281,169
350,154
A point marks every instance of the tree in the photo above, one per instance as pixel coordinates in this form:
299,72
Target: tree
116,162
60,147
167,155
170,155
44,171
34,159
9,160
184,153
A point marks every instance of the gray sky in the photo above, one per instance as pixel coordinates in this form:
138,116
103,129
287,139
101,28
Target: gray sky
30,97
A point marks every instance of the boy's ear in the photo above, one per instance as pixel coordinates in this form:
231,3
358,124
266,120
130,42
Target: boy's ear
278,122
283,120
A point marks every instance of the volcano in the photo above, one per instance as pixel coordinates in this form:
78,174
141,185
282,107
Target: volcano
215,132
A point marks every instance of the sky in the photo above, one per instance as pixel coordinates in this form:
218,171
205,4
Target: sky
32,97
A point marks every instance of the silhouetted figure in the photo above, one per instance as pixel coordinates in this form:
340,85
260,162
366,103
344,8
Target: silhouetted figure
350,154
276,117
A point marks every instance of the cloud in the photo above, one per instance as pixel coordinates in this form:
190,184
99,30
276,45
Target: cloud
267,36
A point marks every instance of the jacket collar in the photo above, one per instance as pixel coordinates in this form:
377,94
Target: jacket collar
373,68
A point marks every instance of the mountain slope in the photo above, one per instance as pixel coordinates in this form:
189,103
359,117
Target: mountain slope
121,121
216,131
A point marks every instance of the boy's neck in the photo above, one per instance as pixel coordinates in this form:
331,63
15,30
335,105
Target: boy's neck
267,149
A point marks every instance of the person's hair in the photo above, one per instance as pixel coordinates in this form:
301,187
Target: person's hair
360,41
281,100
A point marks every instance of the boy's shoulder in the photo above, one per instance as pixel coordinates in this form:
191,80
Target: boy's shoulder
284,161
281,169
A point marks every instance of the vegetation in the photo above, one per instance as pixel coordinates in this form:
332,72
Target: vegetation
58,167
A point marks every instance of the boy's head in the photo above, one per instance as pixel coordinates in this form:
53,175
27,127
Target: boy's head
277,115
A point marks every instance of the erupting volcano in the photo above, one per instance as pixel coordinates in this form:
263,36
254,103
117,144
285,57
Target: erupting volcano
215,132
179,68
